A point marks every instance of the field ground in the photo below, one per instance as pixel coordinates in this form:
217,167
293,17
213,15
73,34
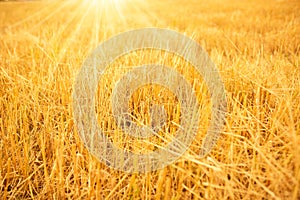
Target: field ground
256,47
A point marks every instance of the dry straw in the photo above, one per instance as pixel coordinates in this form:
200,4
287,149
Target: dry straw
120,45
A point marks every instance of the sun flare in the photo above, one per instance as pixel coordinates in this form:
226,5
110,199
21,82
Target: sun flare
104,2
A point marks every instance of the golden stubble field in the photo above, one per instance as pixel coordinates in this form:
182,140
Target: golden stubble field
255,45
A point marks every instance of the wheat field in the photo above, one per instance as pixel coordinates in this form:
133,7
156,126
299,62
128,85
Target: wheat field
255,46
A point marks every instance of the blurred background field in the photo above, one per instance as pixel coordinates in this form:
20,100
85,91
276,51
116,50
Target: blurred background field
256,47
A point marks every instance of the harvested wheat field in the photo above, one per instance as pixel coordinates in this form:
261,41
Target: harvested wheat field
254,44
